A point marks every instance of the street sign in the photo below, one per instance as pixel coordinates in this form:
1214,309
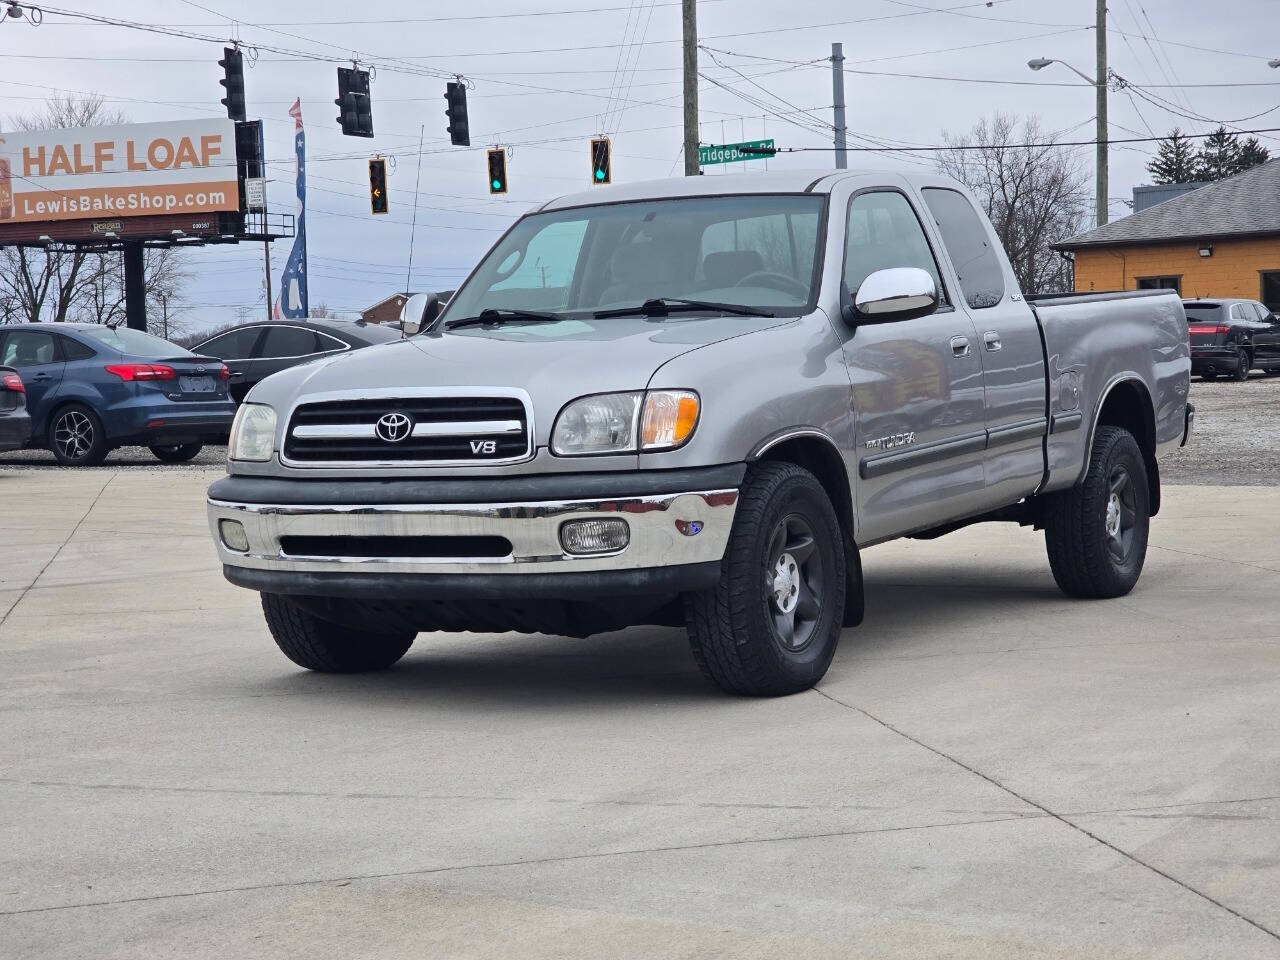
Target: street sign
255,193
732,152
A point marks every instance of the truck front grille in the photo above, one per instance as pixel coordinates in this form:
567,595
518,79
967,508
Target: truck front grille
426,430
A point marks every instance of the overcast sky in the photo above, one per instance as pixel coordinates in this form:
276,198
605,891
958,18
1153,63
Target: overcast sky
546,80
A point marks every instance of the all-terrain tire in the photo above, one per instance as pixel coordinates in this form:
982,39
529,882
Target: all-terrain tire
1087,559
325,646
785,534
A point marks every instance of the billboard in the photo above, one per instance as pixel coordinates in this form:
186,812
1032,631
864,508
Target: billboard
178,167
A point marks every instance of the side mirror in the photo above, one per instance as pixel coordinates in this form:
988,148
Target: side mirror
419,312
899,293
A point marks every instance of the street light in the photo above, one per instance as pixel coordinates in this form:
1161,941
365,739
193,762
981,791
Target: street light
1274,64
1100,87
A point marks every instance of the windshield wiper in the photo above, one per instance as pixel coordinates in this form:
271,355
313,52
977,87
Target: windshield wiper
494,317
665,306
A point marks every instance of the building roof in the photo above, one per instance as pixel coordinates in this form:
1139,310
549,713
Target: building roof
387,299
1247,204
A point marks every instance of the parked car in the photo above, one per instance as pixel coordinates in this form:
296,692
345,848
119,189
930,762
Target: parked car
1232,337
734,386
15,422
254,351
91,388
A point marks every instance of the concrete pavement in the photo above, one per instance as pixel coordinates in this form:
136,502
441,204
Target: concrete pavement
989,769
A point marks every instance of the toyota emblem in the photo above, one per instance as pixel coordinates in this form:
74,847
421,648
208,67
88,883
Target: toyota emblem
393,427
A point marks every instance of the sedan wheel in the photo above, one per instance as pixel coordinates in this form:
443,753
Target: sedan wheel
1243,365
76,437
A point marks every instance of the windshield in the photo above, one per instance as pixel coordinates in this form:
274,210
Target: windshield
754,251
136,343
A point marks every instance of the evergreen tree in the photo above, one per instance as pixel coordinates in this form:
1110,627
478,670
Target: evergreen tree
1174,162
1253,153
1219,156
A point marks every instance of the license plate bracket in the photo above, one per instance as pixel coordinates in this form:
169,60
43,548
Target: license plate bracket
196,384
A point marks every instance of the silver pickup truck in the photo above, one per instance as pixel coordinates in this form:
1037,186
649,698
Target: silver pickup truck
693,402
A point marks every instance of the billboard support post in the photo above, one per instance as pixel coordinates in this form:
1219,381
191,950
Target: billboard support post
135,289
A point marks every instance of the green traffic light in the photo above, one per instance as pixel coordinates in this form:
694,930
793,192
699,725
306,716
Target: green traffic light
497,184
599,174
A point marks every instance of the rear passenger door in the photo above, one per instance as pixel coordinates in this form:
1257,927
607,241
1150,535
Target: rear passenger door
1008,341
235,349
36,357
917,385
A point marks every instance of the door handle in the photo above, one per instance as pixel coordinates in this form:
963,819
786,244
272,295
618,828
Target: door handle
237,374
959,346
992,340
42,376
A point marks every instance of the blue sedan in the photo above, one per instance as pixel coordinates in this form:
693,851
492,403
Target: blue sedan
92,388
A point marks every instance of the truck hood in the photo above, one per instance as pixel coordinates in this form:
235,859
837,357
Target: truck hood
554,363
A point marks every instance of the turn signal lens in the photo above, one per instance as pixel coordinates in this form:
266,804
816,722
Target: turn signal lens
669,419
11,381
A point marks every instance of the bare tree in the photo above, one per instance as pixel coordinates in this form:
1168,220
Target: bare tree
100,297
46,284
322,311
1034,191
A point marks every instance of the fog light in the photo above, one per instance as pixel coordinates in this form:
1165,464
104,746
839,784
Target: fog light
594,536
233,535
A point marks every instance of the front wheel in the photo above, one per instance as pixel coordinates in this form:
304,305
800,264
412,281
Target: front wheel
328,647
1096,533
772,623
76,437
176,452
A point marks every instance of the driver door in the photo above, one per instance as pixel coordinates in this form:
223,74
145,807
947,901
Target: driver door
917,385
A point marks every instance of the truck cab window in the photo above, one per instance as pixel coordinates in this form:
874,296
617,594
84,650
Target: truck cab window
883,232
969,246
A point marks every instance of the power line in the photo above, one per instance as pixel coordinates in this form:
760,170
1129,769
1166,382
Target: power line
1007,146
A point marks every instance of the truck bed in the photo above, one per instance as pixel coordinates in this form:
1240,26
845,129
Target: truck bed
1094,341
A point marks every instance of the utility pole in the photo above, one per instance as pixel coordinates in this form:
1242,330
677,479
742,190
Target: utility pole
690,33
837,90
266,259
1100,33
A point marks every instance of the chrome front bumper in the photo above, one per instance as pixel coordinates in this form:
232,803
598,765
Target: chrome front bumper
666,530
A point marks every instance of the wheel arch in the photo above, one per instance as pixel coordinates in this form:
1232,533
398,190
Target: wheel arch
1126,403
816,452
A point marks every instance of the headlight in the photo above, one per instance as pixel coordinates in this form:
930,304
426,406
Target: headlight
625,423
605,423
253,433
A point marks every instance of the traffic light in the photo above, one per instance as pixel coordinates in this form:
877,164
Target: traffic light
355,106
498,170
601,172
455,95
232,64
378,185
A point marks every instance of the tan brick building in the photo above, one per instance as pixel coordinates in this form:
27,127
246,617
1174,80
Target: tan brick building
1222,240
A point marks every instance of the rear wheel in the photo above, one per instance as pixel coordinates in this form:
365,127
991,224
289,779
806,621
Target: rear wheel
328,647
1243,365
177,452
771,625
1096,533
76,436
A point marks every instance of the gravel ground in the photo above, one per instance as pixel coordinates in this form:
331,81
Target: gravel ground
1237,436
135,458
1236,442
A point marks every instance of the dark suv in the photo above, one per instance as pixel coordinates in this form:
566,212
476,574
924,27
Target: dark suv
254,351
91,388
1232,337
